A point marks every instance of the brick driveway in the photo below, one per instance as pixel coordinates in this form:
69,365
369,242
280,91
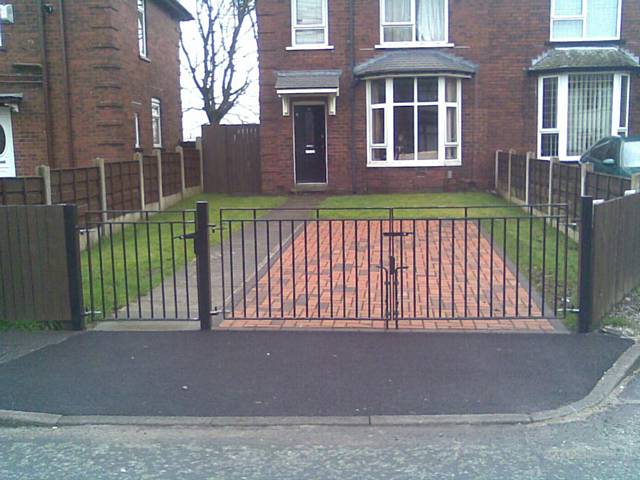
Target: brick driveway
338,284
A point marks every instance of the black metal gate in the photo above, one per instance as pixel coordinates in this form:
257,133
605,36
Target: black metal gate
390,265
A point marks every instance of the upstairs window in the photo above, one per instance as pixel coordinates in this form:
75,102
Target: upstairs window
309,23
577,110
585,20
142,28
136,126
414,21
156,122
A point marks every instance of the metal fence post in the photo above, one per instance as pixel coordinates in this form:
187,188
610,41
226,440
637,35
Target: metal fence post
527,177
44,171
585,317
140,158
99,162
585,169
203,265
160,192
497,170
201,155
72,241
183,182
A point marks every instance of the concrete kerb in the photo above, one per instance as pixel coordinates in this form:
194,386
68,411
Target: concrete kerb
626,365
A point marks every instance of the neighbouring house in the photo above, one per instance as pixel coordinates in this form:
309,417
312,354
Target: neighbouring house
400,95
81,79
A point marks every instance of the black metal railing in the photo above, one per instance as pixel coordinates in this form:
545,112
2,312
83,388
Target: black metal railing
391,264
139,265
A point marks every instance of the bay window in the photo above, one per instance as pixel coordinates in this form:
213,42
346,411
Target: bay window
421,22
576,110
414,121
309,23
576,20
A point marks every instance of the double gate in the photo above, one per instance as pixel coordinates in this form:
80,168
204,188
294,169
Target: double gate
343,265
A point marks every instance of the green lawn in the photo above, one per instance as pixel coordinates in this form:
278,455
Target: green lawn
133,261
522,232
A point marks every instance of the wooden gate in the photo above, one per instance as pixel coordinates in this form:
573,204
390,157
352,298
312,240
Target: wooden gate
231,155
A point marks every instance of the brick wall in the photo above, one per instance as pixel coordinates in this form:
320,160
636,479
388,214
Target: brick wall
499,103
91,113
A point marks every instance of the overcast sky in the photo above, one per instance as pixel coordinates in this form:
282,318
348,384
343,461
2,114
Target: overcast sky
246,112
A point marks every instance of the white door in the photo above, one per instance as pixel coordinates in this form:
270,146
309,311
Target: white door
7,158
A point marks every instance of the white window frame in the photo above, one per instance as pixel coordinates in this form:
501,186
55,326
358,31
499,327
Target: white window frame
562,119
389,133
324,26
141,11
583,18
136,125
412,23
155,102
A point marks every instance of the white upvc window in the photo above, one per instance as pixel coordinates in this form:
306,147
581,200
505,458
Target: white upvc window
414,23
136,126
156,122
414,121
576,110
142,27
309,24
585,20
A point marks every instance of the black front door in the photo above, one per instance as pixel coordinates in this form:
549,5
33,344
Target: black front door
310,143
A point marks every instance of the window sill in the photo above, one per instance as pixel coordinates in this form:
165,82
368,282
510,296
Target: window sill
309,47
414,164
383,46
584,41
144,59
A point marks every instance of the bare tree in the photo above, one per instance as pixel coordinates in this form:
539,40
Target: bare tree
223,26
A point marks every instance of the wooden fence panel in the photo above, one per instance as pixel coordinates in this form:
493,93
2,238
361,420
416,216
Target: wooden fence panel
79,186
171,174
34,283
538,181
22,191
231,158
519,177
150,173
615,259
191,167
122,181
567,187
503,172
606,187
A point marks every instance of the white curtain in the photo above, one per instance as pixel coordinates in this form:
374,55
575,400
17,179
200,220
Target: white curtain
430,20
309,12
397,10
590,111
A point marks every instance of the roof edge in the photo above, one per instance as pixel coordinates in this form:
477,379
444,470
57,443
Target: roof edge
176,9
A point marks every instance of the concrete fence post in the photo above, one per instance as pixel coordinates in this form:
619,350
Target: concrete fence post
183,181
552,163
635,182
585,168
99,162
44,171
201,155
160,192
497,170
140,159
527,178
511,153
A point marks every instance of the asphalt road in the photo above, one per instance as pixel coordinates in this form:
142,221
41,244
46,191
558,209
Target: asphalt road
603,445
306,373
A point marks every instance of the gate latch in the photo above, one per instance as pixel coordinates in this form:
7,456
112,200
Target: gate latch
186,236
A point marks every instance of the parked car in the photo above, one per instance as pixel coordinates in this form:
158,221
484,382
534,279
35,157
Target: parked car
615,156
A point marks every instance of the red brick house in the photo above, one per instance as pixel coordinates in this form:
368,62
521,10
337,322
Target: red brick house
86,78
398,95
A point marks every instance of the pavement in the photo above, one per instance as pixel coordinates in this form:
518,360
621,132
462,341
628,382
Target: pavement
341,377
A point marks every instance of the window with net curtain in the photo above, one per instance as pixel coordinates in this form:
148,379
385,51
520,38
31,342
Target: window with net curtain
584,20
309,22
595,105
414,21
